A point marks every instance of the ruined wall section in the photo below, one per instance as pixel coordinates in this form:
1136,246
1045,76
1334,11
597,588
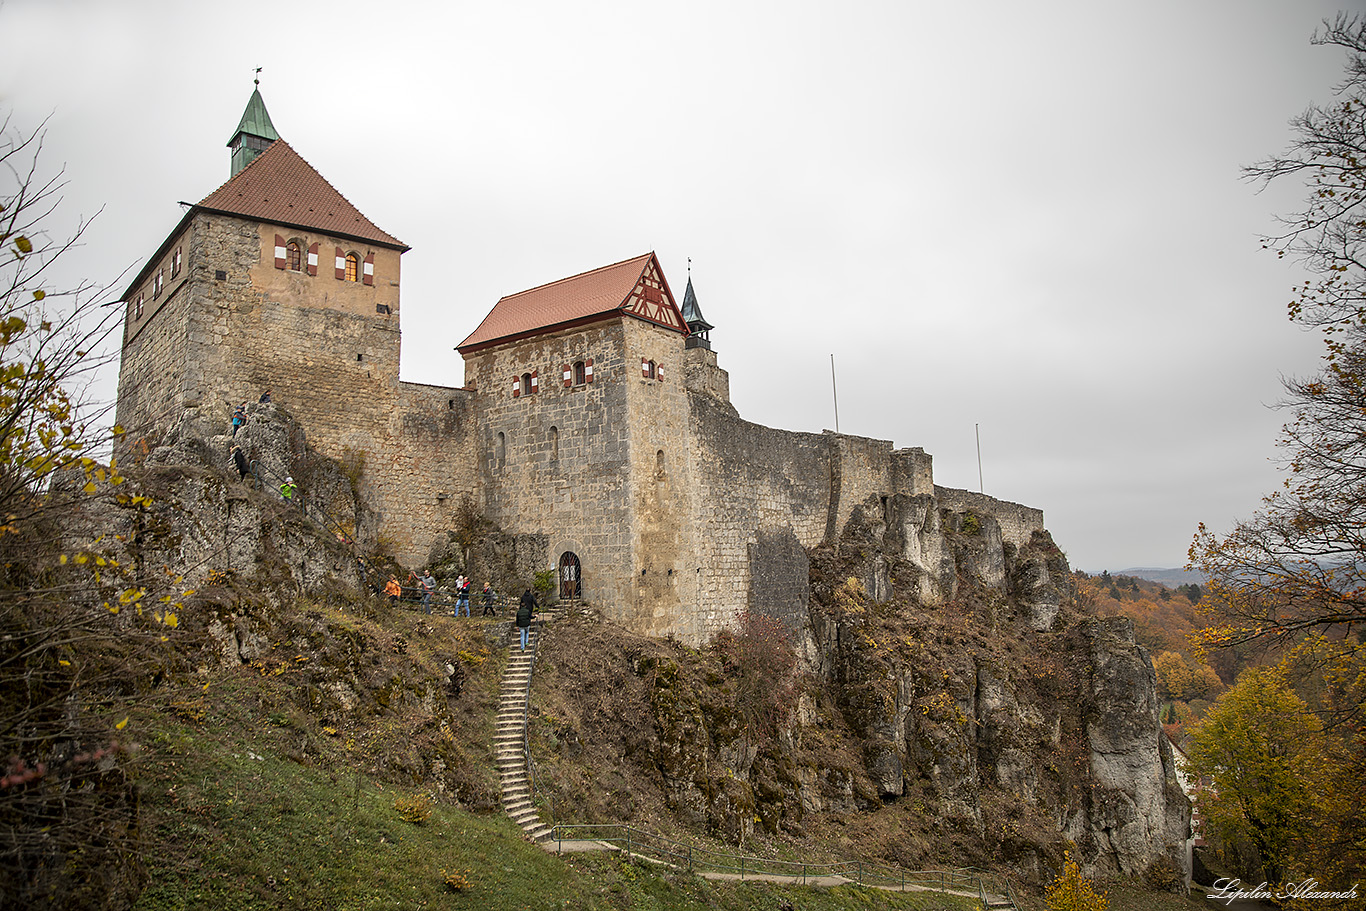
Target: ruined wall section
557,460
701,373
1017,522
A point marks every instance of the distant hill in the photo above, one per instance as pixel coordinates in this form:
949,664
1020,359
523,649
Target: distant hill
1168,577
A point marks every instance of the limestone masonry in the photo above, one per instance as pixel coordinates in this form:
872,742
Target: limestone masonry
593,413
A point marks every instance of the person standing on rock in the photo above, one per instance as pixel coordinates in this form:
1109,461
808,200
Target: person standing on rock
393,590
265,398
525,609
489,595
288,489
240,462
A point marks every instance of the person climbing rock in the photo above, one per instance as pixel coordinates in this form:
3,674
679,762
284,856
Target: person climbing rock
239,461
525,609
288,488
265,398
239,418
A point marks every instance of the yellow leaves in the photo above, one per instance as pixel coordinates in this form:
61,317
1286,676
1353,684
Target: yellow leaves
23,244
39,294
122,724
89,488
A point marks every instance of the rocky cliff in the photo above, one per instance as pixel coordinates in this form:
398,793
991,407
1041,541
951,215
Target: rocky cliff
951,703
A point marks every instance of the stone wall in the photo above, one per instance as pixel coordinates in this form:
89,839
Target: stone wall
1017,522
748,479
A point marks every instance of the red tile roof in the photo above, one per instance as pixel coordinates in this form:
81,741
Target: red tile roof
577,299
279,186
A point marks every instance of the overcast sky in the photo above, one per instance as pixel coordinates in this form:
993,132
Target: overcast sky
1026,217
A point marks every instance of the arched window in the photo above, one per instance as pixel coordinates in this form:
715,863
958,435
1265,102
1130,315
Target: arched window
554,444
352,267
580,375
294,257
659,464
500,448
526,384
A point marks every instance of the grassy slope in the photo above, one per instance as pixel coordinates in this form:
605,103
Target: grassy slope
252,800
240,832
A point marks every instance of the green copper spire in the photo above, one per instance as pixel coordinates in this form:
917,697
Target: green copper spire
254,133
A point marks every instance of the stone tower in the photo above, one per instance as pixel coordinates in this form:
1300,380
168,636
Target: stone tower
276,281
582,409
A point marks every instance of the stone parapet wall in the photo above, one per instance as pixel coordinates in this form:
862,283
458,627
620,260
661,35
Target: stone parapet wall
1017,522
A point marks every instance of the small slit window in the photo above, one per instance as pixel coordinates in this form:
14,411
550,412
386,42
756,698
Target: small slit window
352,267
500,448
294,257
554,444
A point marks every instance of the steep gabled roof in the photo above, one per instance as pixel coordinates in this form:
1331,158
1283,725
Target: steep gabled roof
634,287
280,187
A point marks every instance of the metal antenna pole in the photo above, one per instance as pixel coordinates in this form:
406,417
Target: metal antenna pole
835,392
977,429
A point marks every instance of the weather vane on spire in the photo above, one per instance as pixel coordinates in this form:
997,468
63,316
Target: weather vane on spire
257,80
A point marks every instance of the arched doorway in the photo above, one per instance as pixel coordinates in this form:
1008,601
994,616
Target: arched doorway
570,588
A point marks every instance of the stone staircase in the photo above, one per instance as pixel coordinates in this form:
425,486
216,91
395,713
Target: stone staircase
509,743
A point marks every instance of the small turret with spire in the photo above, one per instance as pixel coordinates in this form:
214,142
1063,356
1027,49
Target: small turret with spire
698,327
254,132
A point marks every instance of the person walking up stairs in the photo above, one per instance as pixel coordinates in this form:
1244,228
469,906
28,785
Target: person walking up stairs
509,744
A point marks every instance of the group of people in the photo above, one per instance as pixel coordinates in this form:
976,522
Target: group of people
393,588
526,607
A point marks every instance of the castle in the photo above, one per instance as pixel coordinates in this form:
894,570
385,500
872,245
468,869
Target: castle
593,416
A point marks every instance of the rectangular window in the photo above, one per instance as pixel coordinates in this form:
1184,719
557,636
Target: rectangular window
137,307
157,283
175,263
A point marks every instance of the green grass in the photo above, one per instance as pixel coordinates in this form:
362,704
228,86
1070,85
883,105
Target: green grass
229,830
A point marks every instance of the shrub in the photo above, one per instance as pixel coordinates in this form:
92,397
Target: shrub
415,809
1070,892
